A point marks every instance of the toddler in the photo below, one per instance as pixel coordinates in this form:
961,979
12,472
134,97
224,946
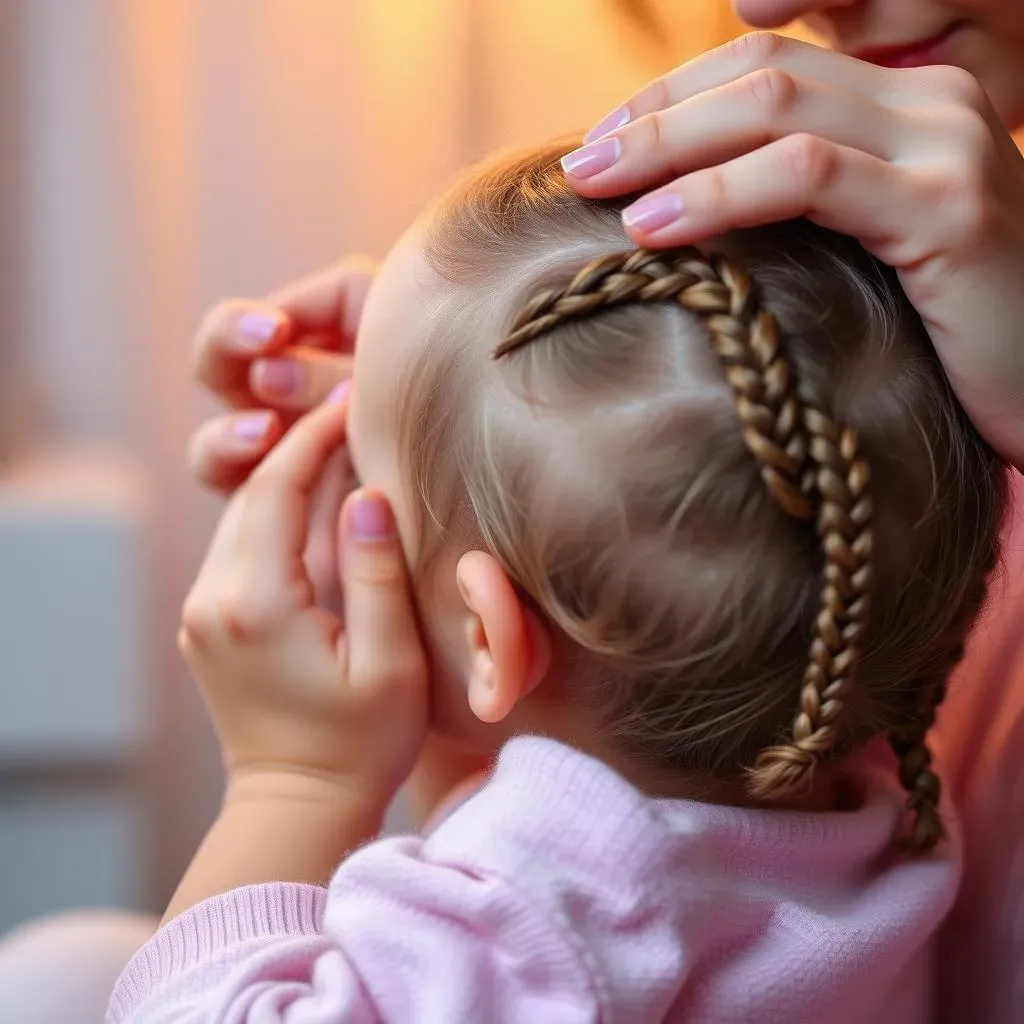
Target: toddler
696,542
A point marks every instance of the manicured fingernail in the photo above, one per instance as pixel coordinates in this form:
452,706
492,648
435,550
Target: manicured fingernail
370,518
278,377
340,392
592,159
653,212
609,123
256,329
252,426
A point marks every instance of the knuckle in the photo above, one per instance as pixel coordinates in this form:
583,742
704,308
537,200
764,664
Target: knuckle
658,94
758,48
197,622
235,617
384,572
963,195
772,90
186,644
714,191
957,84
810,160
974,138
256,607
243,618
661,92
197,451
656,129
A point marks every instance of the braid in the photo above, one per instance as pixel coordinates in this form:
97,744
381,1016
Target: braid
844,517
808,462
745,338
910,743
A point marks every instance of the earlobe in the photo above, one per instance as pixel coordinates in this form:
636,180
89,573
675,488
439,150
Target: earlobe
508,648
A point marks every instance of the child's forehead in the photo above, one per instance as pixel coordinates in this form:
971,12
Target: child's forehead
428,303
405,269
403,299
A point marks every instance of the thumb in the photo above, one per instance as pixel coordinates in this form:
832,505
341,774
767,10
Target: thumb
382,639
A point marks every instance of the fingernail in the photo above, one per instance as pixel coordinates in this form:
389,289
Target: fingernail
592,159
653,212
252,426
278,376
257,328
370,518
609,123
340,391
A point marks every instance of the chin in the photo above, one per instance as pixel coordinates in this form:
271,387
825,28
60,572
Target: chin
999,67
1006,94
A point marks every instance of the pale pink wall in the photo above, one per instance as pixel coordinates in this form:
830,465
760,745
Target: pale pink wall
11,115
555,66
179,152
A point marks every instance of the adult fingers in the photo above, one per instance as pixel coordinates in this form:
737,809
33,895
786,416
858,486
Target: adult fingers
320,312
331,300
223,451
382,640
230,336
798,176
743,56
727,122
299,378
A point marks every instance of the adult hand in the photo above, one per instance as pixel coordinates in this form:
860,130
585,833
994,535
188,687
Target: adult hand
912,162
292,692
270,361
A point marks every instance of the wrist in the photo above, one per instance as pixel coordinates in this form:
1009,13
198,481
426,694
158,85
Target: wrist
303,790
279,825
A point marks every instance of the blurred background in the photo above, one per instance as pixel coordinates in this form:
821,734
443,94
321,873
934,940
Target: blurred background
156,155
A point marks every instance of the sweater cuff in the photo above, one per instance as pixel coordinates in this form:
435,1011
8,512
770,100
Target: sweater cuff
204,931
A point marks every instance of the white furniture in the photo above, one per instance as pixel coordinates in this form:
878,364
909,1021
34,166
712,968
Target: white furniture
73,683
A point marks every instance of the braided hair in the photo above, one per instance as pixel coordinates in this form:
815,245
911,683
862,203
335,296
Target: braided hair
810,466
623,452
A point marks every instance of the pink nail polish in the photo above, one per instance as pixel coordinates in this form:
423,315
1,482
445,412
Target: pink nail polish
278,377
370,518
592,159
251,426
256,329
653,212
340,392
609,123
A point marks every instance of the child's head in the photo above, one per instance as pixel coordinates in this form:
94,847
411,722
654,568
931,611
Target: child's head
629,530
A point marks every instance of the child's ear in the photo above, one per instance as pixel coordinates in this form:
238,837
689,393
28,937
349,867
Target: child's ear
509,648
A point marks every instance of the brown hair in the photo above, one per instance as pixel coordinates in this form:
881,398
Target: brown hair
649,492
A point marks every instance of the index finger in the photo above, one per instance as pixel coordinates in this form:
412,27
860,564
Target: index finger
328,302
321,311
740,57
277,496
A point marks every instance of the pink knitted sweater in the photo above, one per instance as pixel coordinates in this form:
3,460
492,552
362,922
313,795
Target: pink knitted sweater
559,893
